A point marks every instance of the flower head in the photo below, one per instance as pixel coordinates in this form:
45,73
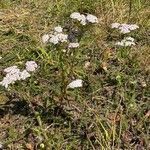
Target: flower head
54,39
76,15
58,36
133,27
11,69
84,19
62,37
31,66
8,80
76,83
73,45
24,74
14,74
115,25
128,41
92,18
58,29
124,28
45,38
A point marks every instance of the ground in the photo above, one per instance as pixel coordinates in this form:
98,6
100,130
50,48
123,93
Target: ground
110,111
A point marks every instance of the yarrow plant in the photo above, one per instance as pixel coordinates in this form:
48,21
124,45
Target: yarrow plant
59,37
124,28
14,74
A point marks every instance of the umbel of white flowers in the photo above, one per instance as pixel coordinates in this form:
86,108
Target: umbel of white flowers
124,28
73,45
14,74
76,83
57,37
127,41
84,19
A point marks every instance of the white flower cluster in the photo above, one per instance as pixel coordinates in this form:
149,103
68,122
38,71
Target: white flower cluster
45,38
84,19
128,41
31,66
76,83
73,45
58,29
124,28
56,37
14,74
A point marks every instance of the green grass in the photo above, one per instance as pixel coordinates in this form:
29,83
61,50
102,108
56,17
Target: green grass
111,110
